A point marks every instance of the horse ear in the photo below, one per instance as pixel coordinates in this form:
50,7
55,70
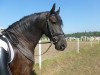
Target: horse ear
58,11
52,11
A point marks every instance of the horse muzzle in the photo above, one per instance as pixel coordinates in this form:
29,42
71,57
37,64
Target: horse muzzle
61,45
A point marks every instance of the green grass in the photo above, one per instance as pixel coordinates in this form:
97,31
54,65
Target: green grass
87,62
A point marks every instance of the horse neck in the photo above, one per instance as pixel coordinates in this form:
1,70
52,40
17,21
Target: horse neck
29,36
30,41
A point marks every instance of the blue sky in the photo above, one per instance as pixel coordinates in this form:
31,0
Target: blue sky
77,15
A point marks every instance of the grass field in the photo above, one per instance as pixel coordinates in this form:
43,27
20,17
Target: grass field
87,62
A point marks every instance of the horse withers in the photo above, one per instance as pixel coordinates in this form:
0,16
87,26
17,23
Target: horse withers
25,34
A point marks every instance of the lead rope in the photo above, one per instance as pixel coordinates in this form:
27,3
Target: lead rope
47,26
47,48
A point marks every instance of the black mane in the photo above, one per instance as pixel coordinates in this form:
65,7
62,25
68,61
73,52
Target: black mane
21,27
29,18
25,25
26,19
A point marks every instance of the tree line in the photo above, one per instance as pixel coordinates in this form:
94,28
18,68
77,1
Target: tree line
88,34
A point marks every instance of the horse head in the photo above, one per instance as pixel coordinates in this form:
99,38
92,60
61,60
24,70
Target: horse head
54,29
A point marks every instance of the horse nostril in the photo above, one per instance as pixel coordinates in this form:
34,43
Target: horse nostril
54,39
62,46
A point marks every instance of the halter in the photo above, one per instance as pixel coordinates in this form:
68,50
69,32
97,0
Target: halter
52,35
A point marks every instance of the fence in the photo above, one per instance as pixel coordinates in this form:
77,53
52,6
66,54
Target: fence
72,45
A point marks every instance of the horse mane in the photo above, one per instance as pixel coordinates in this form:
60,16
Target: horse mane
25,19
24,24
20,25
30,17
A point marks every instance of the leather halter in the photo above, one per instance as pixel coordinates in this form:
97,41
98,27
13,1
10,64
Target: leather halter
52,35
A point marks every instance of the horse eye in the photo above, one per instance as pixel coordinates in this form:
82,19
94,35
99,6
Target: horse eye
53,22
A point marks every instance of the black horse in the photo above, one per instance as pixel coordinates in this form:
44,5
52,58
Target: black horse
25,34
